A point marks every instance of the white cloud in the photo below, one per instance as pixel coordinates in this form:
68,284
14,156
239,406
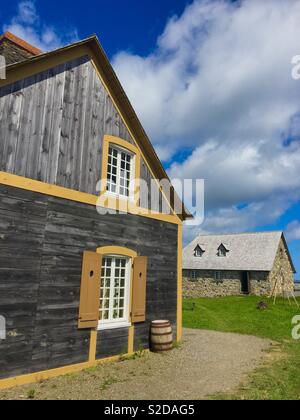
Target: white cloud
293,231
220,82
27,25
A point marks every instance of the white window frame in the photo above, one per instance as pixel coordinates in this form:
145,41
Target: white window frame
124,322
117,194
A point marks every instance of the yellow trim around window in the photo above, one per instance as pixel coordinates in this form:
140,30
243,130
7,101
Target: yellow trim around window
127,205
117,250
117,141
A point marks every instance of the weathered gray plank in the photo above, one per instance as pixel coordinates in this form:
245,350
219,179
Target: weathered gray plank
58,106
11,137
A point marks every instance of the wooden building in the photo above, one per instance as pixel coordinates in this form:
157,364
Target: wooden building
79,282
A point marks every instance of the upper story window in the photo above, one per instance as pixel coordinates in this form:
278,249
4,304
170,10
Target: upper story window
222,251
120,171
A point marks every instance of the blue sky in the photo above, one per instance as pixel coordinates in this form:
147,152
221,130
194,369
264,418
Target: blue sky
128,25
211,82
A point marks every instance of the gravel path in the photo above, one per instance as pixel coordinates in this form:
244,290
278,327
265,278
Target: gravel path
207,363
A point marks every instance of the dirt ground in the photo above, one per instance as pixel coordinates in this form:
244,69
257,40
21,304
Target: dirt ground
205,364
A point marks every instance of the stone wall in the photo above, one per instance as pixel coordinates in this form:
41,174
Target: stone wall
13,53
259,283
282,271
205,284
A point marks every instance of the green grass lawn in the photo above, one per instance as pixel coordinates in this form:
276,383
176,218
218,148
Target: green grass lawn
279,378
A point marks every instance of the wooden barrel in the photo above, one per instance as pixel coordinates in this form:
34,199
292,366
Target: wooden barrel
161,336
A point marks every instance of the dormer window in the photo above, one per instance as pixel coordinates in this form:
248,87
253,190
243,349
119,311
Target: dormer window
222,251
199,251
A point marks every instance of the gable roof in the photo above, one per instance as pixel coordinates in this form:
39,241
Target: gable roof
43,61
224,246
200,246
247,252
20,43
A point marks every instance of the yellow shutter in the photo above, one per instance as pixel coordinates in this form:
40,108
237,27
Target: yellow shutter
139,288
90,290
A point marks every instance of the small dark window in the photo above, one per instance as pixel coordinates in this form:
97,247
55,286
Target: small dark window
194,275
218,277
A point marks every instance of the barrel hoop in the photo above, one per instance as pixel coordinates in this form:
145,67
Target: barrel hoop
162,344
160,335
161,326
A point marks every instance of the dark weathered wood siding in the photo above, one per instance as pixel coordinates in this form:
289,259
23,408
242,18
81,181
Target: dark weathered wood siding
53,123
112,343
151,196
42,239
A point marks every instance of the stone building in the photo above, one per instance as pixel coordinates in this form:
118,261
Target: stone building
252,263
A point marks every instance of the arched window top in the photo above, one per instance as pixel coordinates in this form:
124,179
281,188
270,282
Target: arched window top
118,141
117,250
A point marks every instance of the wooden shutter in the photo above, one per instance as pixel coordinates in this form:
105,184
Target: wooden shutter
139,288
90,290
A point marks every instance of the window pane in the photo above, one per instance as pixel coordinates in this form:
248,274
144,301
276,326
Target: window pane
119,171
112,293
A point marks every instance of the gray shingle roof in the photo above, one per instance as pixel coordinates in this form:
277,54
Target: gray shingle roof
247,252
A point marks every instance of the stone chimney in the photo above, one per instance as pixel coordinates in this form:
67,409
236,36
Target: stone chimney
14,49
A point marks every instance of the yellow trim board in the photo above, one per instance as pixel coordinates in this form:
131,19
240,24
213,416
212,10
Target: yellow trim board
93,345
131,340
179,285
47,189
53,373
42,63
117,250
80,197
